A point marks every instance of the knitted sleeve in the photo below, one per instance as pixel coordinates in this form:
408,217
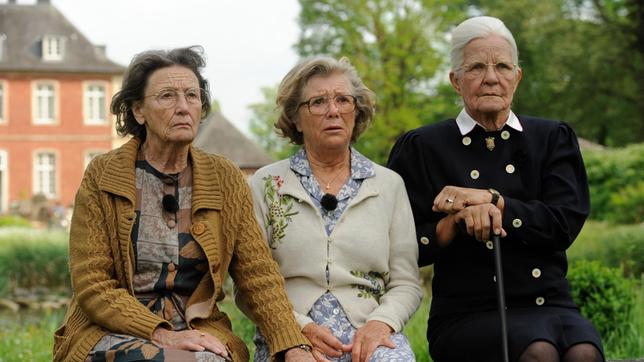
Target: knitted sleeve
253,269
92,265
403,293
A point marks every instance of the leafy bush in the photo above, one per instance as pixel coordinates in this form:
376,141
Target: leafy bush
603,296
616,183
33,259
12,220
617,246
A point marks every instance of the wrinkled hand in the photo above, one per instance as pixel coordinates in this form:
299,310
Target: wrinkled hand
190,340
298,355
461,198
324,342
368,338
481,221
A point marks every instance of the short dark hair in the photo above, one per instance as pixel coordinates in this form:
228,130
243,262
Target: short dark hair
136,79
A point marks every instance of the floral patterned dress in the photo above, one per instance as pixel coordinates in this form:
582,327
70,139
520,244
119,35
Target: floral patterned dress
169,266
327,311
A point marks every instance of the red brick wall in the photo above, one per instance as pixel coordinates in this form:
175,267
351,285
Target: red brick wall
69,139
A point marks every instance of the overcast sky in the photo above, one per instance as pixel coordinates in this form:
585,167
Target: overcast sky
248,43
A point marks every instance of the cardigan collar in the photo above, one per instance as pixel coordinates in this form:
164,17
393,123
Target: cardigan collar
119,176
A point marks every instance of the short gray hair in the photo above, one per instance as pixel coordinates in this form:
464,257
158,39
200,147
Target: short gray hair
289,95
479,27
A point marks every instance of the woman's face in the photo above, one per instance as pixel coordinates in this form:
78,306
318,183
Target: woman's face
488,78
171,109
333,129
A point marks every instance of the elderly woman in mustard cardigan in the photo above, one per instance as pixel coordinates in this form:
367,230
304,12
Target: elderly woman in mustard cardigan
156,225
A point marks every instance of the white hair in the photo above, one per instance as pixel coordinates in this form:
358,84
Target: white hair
479,27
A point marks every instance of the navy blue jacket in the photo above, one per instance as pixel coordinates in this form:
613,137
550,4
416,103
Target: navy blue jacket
541,176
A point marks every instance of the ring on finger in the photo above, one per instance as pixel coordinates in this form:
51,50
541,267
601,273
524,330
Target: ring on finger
202,334
449,201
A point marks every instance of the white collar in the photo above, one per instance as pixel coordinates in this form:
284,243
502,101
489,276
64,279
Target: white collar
466,123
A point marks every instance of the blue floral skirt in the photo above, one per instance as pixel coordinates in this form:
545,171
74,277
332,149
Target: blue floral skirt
328,312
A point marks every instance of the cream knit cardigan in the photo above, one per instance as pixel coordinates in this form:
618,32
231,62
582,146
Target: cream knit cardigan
375,234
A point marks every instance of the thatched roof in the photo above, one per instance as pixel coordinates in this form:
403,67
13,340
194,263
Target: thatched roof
218,135
23,28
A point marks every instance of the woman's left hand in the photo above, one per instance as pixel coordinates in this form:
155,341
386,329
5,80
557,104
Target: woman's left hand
368,338
453,199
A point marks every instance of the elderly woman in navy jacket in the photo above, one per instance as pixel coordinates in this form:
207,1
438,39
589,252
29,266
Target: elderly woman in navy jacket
488,172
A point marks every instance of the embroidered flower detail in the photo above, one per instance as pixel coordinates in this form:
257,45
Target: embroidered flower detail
376,281
279,210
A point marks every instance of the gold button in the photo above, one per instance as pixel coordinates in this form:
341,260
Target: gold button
540,301
517,223
424,240
198,228
474,174
505,135
467,141
509,168
536,272
171,267
489,245
171,223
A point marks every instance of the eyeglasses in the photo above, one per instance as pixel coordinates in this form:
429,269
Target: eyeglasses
169,97
320,105
477,69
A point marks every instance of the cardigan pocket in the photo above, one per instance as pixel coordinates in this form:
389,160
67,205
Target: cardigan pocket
61,343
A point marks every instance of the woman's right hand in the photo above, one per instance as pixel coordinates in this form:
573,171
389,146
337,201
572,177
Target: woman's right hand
481,221
190,340
324,342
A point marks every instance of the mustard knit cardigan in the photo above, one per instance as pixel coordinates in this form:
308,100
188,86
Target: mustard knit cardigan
102,262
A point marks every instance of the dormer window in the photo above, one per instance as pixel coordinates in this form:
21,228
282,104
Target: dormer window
3,37
53,47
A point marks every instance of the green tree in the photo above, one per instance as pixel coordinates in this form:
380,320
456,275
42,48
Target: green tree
582,62
262,126
399,49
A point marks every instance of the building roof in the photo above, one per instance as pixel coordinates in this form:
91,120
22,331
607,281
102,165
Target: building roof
24,27
218,135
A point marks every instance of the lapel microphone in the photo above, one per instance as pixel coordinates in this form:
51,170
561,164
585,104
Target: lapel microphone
170,203
329,202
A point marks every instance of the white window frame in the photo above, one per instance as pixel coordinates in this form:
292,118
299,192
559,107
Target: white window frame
37,102
46,188
53,47
91,102
3,38
4,181
89,154
3,101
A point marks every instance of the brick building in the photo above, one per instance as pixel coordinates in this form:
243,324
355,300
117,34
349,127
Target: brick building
55,89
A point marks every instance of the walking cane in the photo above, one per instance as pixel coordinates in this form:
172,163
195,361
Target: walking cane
500,293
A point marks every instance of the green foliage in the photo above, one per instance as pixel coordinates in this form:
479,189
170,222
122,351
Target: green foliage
33,259
28,340
262,126
398,48
616,180
616,246
582,63
13,220
604,296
